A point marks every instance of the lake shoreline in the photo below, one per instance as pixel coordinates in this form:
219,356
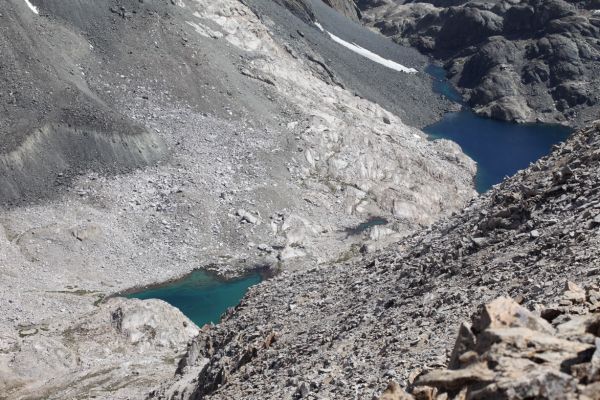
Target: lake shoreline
499,148
265,271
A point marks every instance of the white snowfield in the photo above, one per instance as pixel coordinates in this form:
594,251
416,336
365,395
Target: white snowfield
368,54
32,7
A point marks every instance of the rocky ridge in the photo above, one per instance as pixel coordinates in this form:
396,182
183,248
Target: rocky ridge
513,60
344,330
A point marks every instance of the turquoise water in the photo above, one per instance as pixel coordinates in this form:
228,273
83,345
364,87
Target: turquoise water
499,148
202,297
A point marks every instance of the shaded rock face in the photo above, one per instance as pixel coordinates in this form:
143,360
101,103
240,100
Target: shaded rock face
303,9
345,330
514,60
299,8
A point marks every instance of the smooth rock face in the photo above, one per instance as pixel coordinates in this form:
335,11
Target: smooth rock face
519,61
346,330
113,352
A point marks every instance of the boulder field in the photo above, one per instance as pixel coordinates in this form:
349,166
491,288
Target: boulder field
345,330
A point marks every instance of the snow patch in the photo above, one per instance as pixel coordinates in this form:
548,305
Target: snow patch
369,54
32,7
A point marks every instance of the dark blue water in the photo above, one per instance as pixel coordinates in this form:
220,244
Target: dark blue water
499,148
441,84
202,297
371,222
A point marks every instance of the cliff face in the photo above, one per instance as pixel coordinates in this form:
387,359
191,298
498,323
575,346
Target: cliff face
516,61
344,330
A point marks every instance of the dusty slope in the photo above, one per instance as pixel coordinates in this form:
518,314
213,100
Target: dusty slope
51,122
343,330
249,124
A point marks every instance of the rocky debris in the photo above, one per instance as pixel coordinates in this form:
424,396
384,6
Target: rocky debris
361,76
519,61
247,217
51,121
304,10
327,141
347,329
516,354
394,392
234,142
299,8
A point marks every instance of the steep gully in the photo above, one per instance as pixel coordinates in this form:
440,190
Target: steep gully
499,148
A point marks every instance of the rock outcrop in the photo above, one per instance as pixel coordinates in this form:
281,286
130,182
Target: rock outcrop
345,330
508,352
113,352
513,60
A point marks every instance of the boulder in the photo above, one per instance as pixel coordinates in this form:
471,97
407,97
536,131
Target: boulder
520,356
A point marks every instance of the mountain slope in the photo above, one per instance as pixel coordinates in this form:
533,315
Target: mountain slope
51,121
248,121
343,330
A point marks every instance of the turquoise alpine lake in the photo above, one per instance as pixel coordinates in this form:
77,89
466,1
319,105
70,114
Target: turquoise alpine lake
201,296
499,148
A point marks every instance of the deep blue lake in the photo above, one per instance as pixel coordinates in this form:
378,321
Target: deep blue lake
201,296
499,148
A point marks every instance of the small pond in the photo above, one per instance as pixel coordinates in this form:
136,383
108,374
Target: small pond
362,227
499,148
201,296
